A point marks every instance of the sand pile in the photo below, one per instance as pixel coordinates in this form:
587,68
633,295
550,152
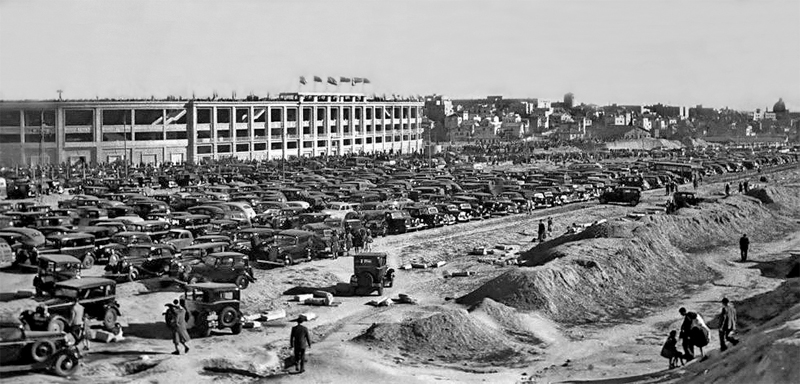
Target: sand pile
449,335
616,270
524,327
757,310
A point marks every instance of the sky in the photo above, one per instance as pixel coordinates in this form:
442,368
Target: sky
741,54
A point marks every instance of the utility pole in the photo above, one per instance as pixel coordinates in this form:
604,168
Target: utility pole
125,135
59,94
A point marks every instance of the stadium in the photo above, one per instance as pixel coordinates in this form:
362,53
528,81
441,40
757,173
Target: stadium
178,131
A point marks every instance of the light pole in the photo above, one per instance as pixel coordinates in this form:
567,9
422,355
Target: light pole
125,136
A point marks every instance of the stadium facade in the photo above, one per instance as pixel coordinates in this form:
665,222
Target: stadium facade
155,131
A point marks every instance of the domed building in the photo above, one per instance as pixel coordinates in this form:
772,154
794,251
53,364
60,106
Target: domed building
779,107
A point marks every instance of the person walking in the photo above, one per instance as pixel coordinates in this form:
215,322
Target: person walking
176,321
76,323
727,324
541,230
549,225
348,242
727,189
299,340
744,246
741,187
686,334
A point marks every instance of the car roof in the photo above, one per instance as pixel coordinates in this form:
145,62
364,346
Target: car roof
227,254
258,230
57,258
74,235
204,246
212,286
370,254
295,232
130,233
86,282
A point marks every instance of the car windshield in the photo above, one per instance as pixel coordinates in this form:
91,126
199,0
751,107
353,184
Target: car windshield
65,292
138,252
192,253
285,240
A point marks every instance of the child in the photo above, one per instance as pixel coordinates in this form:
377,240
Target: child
670,350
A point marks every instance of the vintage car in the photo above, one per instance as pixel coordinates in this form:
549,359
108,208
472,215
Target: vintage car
370,273
78,245
289,247
102,235
250,239
377,221
213,306
119,242
25,350
322,242
154,228
220,267
178,238
142,260
428,215
223,227
195,223
400,221
79,201
53,269
685,199
97,295
627,195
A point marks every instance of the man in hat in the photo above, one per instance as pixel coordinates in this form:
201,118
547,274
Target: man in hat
744,246
176,321
299,340
727,325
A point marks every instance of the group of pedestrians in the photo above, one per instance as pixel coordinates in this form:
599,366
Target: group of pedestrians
544,230
694,333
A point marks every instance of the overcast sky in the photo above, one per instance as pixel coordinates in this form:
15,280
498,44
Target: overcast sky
737,53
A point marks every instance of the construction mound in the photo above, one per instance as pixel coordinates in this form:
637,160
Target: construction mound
449,335
616,270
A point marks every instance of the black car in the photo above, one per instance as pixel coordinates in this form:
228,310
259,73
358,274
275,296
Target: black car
220,267
26,350
142,260
96,294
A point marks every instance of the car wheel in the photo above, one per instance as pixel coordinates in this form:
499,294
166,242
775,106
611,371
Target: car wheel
65,365
242,282
42,350
228,317
88,261
57,324
109,319
133,274
365,282
236,328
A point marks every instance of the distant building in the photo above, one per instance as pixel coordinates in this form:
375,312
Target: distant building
436,108
157,131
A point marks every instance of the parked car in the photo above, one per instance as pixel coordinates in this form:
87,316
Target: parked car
178,238
25,350
78,245
143,260
220,267
627,195
289,247
370,273
213,306
55,268
97,295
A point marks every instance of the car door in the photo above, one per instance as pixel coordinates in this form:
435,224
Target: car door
225,270
12,342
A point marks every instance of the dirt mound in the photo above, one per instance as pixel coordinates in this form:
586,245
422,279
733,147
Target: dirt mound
449,335
524,327
759,309
548,251
616,270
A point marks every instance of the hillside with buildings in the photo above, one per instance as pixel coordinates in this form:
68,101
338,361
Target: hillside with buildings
495,119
